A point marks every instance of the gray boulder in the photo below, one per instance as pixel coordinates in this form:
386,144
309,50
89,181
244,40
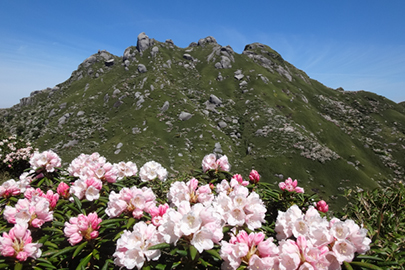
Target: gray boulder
142,68
51,113
185,116
165,106
70,144
222,124
188,57
109,62
80,113
143,42
129,53
89,61
116,92
118,103
169,41
154,51
206,40
63,119
224,63
215,100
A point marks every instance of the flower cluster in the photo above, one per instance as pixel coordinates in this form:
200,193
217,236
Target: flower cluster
238,206
33,210
18,243
47,160
93,166
133,247
200,225
92,170
82,227
210,162
290,186
250,249
321,241
152,170
196,214
132,200
180,191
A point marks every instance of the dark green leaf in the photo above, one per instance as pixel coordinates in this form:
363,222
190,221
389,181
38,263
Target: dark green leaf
213,253
79,248
18,266
130,223
366,265
50,244
63,251
159,246
348,266
193,252
84,262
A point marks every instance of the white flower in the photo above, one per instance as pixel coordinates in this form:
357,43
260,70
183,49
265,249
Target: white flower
133,247
344,251
152,170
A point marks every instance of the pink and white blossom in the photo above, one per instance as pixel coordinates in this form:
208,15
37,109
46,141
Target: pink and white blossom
131,200
48,160
290,186
133,247
9,188
152,170
35,213
17,243
191,192
81,227
126,169
210,162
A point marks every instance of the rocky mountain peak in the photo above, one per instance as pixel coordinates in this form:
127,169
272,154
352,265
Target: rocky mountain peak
175,105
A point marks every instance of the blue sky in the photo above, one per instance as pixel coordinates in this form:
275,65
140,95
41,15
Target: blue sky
354,44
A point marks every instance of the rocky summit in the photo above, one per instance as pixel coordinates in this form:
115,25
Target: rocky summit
175,105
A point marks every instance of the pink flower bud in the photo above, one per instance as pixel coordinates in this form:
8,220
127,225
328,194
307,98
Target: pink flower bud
322,206
254,176
63,190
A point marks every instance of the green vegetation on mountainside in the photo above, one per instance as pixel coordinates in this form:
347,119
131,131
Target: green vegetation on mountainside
271,117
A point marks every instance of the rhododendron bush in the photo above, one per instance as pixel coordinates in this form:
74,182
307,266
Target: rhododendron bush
99,215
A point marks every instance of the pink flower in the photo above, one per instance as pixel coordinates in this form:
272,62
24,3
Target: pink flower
63,190
82,227
210,162
157,213
126,169
9,188
134,201
152,170
254,176
18,243
290,186
223,163
240,180
47,160
133,247
89,188
250,249
35,212
322,206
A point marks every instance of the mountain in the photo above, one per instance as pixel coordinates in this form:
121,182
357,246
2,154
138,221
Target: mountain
175,105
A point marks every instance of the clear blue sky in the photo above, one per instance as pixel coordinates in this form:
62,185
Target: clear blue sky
354,44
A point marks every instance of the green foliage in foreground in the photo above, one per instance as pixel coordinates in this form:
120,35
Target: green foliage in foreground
382,212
